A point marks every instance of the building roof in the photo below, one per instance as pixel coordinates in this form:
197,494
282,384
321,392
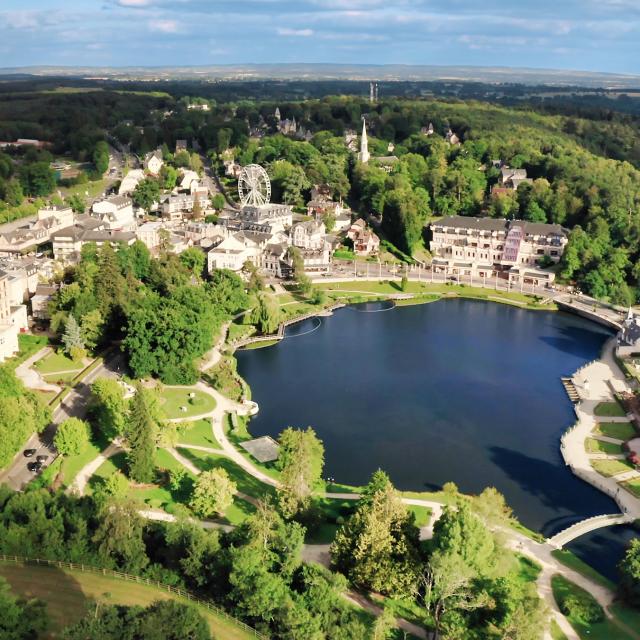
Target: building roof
495,224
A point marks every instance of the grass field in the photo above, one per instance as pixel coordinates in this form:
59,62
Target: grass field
592,445
28,344
572,561
175,397
606,630
633,486
556,631
610,468
389,287
617,430
223,378
55,362
200,433
245,483
610,410
68,595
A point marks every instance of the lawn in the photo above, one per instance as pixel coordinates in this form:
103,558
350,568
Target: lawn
556,631
68,595
617,430
422,514
610,468
633,486
387,287
626,615
238,331
592,445
572,561
71,465
55,362
173,398
261,344
45,396
606,630
28,344
61,378
199,433
610,410
245,483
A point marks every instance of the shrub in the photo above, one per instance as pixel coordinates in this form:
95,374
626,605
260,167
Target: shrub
582,607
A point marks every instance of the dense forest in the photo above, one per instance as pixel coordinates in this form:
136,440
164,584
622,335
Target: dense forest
583,160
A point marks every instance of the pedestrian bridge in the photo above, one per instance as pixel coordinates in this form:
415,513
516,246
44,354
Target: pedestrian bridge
578,529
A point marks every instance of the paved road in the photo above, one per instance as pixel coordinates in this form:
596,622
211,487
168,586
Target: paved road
75,405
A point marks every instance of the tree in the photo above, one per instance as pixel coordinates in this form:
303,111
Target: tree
115,487
72,437
72,337
168,177
21,619
91,328
141,433
218,202
13,194
37,179
162,620
377,548
146,193
194,259
108,407
21,414
300,460
77,203
629,569
213,493
266,313
195,162
101,157
118,538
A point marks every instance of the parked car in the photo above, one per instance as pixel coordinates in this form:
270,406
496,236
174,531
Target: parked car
41,458
29,453
34,467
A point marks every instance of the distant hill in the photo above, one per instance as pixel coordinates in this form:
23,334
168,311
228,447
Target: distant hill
294,71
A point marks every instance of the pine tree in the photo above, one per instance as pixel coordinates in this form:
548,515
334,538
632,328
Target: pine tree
72,337
140,436
109,282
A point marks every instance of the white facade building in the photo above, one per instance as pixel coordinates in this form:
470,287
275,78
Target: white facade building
116,213
232,253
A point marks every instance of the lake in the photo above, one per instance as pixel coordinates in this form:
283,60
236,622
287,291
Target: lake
456,390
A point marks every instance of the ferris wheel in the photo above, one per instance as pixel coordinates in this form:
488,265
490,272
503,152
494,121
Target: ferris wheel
254,186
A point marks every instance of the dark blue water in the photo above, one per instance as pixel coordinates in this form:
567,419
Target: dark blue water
603,549
455,390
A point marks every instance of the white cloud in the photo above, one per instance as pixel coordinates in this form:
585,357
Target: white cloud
134,3
164,26
304,33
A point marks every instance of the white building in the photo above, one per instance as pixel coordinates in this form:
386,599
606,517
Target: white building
149,234
232,253
130,182
308,235
278,216
13,320
488,246
189,180
364,154
175,206
153,162
116,213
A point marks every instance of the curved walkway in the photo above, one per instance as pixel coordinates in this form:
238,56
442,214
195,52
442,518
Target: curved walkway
80,482
595,384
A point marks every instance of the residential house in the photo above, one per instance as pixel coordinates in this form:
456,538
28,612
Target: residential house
68,243
130,182
365,241
232,253
174,207
510,179
153,162
452,138
40,302
116,213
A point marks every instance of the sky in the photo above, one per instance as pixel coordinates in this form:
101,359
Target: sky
590,35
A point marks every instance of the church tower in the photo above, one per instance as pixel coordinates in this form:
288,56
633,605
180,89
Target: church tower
364,156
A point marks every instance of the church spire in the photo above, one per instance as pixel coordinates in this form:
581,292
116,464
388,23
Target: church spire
364,156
